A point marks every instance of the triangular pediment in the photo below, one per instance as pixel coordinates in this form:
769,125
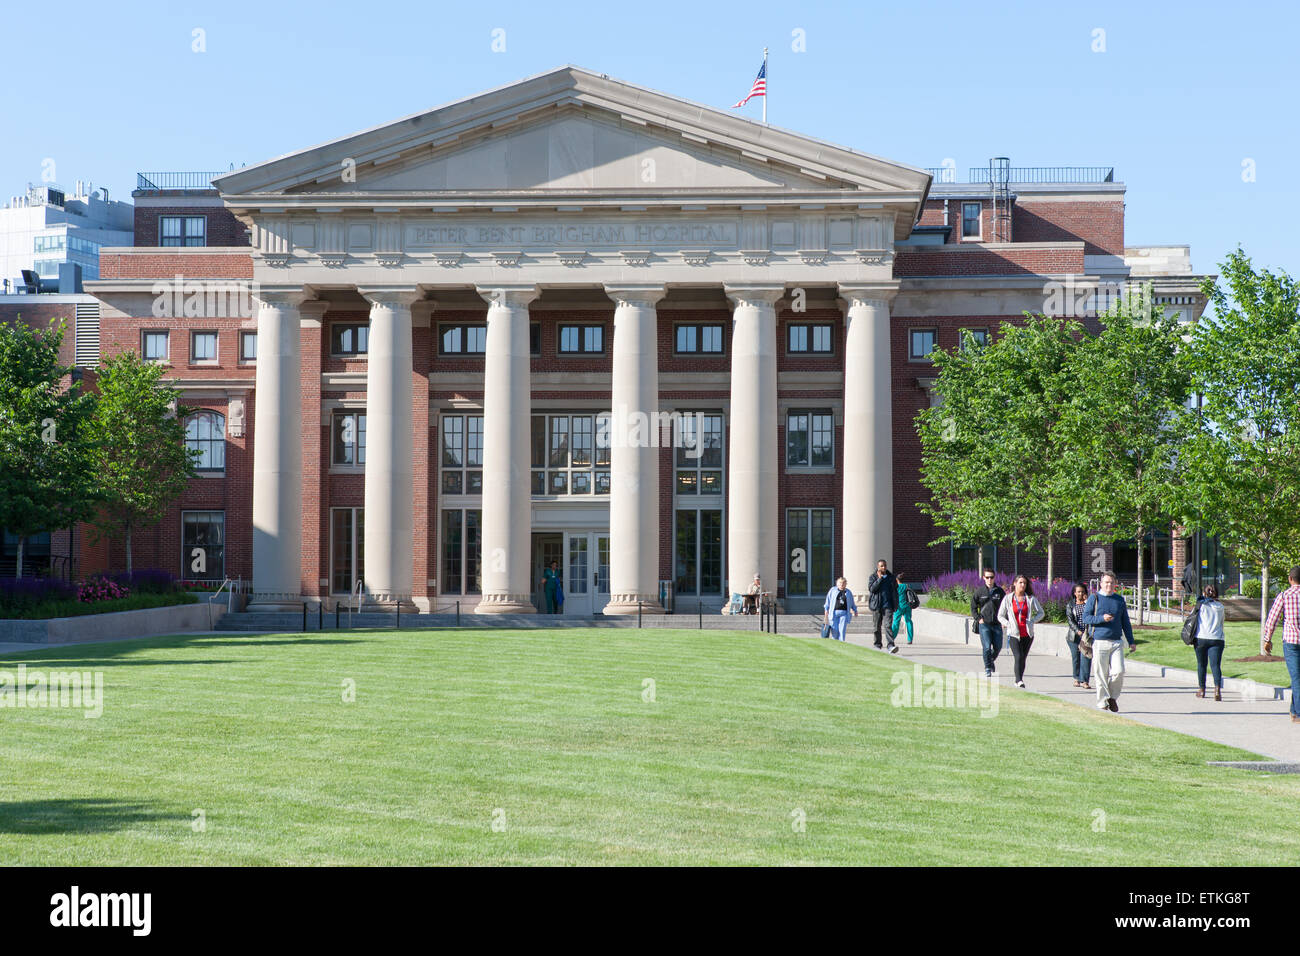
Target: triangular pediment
572,131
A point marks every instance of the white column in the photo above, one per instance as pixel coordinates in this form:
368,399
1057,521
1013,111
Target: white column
277,453
634,534
390,446
507,492
867,521
753,457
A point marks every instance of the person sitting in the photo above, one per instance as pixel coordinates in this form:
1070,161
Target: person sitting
752,595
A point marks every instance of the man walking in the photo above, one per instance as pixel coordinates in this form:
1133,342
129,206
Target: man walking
984,605
1107,613
1287,606
883,602
840,606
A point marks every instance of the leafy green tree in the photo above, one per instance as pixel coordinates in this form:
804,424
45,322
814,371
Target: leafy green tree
141,458
989,453
1242,463
47,475
1120,429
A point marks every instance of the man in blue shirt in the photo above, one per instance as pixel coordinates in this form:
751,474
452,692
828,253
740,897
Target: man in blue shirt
1107,614
840,606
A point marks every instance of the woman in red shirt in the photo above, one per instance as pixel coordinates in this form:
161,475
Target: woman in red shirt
1019,612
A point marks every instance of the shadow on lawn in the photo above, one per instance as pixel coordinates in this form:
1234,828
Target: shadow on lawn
93,815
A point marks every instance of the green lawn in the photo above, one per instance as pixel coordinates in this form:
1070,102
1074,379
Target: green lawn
1164,645
548,733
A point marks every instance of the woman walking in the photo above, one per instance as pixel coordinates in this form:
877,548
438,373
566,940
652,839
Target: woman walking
904,610
839,608
1019,612
1210,641
1082,663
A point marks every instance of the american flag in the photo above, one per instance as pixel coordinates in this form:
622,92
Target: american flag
759,88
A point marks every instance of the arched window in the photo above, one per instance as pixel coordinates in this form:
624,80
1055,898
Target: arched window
205,432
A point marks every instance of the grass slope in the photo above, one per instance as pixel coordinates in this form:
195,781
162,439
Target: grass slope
547,732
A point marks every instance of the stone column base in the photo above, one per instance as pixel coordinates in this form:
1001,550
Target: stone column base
628,604
278,602
387,603
505,604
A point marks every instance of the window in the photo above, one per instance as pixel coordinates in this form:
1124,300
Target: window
534,338
349,438
697,552
462,454
921,342
582,339
347,548
205,433
248,346
810,438
153,345
570,455
978,338
203,347
809,338
349,339
970,220
203,545
965,557
698,339
183,230
48,244
462,551
809,537
462,339
699,454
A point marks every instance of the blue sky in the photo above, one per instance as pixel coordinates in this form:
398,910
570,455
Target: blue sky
1182,95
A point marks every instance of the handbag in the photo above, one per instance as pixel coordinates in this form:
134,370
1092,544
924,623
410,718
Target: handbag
912,600
1085,643
1192,626
826,630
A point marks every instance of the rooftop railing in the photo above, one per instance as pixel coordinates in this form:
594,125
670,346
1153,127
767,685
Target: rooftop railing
176,180
979,175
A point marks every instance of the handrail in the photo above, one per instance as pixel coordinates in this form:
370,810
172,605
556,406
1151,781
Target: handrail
212,597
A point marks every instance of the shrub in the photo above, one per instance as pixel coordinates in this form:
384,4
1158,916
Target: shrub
960,585
100,589
1253,587
20,595
145,581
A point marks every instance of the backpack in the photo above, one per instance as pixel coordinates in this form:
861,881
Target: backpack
912,600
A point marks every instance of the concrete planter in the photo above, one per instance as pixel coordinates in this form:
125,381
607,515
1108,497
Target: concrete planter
114,626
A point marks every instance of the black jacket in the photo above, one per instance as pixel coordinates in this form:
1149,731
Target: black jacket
884,592
1074,621
984,604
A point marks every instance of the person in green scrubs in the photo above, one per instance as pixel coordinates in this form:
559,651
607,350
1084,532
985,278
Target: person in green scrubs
550,587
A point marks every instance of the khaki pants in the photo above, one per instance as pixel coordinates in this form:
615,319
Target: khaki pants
1108,669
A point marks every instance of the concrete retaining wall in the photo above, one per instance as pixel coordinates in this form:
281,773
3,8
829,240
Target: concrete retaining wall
175,619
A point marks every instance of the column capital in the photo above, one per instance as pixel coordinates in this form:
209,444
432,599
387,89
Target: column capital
511,295
852,293
645,294
753,293
313,310
286,297
391,296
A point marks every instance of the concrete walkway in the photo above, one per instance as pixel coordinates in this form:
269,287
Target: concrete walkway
1258,726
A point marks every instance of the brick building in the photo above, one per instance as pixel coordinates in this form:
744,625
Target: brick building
573,319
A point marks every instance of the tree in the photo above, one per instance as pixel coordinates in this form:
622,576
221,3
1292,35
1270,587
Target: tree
141,457
989,451
47,478
1120,428
1242,462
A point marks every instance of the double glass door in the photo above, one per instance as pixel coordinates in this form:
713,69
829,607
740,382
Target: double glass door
585,572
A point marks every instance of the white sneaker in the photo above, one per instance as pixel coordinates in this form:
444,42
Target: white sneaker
1020,683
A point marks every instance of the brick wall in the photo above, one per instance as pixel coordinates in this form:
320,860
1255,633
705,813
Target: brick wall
223,229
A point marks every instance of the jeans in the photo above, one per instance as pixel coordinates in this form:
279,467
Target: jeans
1108,658
1020,651
1211,651
991,640
904,613
840,625
1292,654
880,619
1080,666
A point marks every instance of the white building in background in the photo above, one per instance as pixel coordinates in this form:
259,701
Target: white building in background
46,226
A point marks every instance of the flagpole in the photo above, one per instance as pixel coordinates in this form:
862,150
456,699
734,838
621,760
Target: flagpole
767,86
